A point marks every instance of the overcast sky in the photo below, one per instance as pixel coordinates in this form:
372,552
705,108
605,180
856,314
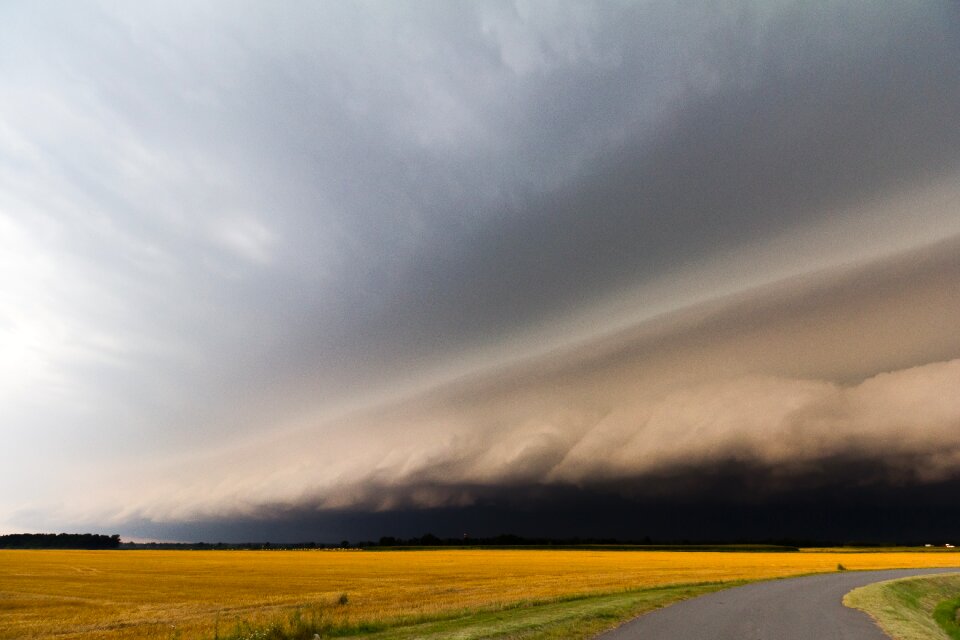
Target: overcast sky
299,258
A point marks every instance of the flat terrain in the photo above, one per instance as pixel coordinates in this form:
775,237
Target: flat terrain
188,594
794,609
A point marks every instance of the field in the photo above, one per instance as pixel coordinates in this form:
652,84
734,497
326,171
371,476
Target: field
136,595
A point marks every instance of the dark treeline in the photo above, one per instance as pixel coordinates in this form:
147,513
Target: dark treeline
226,546
646,543
59,541
428,540
501,541
510,540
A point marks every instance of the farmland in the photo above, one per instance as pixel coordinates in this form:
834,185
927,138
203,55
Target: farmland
139,595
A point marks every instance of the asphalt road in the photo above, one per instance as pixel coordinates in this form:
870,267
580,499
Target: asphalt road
808,608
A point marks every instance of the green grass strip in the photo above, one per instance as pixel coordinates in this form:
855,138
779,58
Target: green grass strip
917,608
570,618
945,614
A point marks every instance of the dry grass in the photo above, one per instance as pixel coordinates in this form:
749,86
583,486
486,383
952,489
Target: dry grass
166,594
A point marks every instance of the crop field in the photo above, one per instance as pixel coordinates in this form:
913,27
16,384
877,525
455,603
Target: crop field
138,595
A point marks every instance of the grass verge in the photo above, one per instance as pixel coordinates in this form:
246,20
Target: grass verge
945,614
560,618
920,608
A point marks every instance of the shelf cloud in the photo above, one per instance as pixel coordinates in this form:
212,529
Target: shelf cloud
259,261
773,387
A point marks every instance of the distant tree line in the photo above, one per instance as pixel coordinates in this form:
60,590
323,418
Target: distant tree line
59,541
94,541
227,546
646,542
428,540
510,540
502,540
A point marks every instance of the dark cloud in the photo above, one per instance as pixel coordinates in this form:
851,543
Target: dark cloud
840,381
834,504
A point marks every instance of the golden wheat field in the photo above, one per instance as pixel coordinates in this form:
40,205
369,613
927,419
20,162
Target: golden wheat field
164,594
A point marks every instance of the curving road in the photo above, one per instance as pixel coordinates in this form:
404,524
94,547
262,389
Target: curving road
807,608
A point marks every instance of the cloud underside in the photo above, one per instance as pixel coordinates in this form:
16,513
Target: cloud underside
845,377
216,226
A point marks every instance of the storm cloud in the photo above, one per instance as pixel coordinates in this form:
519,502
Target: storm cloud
268,259
844,378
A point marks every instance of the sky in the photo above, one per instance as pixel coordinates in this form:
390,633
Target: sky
323,270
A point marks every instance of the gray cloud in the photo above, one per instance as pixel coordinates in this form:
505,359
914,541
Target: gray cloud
856,364
221,222
816,120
